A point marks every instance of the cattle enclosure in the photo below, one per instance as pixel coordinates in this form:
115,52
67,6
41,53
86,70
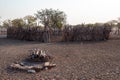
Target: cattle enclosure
69,33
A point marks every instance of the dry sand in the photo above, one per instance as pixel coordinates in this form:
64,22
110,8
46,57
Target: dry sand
75,61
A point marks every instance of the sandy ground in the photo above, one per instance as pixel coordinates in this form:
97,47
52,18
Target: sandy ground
75,61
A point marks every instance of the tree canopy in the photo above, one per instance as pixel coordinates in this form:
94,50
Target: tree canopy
51,18
18,22
30,20
7,23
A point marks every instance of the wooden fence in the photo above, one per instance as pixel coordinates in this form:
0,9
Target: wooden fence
87,33
74,33
34,34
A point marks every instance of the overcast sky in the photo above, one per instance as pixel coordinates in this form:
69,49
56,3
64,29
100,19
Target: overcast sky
77,11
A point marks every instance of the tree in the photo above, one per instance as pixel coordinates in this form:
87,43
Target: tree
31,20
7,23
51,18
118,25
18,22
0,22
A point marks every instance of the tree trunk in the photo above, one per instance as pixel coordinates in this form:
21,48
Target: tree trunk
46,35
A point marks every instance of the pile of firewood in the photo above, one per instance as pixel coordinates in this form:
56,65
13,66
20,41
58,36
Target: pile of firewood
39,55
38,61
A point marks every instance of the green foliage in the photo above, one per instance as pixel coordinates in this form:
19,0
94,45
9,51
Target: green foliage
51,18
18,22
31,20
118,23
7,23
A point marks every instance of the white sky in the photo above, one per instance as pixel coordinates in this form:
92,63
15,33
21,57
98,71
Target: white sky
77,11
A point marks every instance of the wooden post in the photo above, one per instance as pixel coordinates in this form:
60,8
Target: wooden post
46,35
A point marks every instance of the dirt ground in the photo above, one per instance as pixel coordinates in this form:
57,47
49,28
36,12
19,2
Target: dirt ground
75,61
